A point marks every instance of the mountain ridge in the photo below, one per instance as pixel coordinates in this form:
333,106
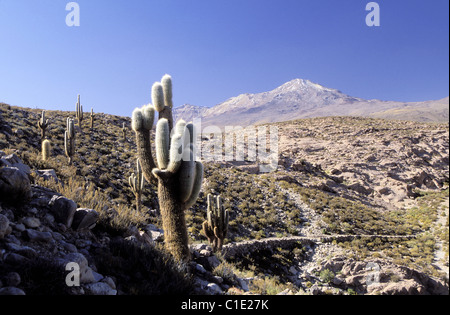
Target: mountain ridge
300,98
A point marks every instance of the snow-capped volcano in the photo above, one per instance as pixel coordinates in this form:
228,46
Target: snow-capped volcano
297,99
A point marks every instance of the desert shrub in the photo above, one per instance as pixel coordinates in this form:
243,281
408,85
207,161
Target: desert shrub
143,270
39,276
269,286
326,276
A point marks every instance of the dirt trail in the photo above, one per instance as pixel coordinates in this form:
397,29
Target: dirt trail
440,255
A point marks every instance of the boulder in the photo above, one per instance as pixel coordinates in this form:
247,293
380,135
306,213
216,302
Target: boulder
84,219
37,236
5,228
156,234
87,275
63,209
15,185
361,188
405,287
47,174
99,288
11,291
31,222
13,160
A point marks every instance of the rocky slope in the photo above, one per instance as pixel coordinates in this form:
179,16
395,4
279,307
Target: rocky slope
336,177
304,99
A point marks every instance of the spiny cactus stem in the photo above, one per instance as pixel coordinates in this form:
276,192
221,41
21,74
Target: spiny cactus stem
173,217
43,124
124,132
45,150
79,112
145,154
92,118
215,227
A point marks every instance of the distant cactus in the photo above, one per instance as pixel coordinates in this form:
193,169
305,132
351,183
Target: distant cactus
43,124
79,111
92,118
69,140
179,176
124,132
136,182
215,227
46,146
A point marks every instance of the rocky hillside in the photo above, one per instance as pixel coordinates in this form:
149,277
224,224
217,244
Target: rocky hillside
383,183
304,99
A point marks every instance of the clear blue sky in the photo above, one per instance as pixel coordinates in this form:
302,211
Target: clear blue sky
216,49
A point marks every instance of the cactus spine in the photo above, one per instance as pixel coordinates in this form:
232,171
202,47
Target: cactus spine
92,118
43,124
79,111
136,182
215,227
69,139
45,150
179,176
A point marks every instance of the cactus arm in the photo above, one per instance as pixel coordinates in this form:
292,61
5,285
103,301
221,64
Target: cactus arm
142,123
166,111
162,143
166,83
186,179
158,96
197,185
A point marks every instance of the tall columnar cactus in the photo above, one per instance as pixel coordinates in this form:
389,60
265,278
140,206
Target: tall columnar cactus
92,118
179,175
46,146
43,124
136,182
215,227
79,111
69,139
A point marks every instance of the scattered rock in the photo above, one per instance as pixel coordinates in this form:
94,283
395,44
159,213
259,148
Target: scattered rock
11,291
5,229
84,219
99,288
15,185
63,209
31,222
47,174
213,289
37,236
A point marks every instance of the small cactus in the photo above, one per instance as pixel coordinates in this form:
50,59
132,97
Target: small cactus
46,146
43,124
79,111
215,227
136,182
124,132
92,118
69,140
